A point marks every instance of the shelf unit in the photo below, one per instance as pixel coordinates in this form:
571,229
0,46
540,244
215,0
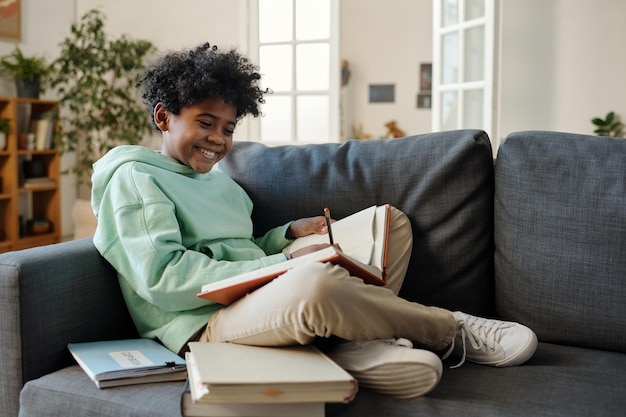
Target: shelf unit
23,207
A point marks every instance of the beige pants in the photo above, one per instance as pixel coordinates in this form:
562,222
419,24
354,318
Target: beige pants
322,300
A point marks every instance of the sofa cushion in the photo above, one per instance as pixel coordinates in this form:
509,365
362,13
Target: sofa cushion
560,234
575,382
442,181
70,393
559,381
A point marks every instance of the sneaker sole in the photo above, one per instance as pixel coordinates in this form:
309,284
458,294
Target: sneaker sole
401,380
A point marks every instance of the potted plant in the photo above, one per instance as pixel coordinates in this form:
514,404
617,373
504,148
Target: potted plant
99,107
611,125
29,73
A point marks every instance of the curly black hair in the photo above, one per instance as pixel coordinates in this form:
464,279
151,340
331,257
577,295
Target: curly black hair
179,79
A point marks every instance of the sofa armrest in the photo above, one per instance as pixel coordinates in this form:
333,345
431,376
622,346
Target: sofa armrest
50,296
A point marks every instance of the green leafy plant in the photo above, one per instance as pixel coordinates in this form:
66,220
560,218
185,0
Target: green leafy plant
28,72
611,125
99,106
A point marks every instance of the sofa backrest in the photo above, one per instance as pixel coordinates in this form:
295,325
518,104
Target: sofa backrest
442,181
560,234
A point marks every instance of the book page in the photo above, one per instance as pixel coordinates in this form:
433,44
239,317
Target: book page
381,238
354,234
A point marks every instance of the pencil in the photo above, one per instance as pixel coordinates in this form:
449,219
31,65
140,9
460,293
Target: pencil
330,230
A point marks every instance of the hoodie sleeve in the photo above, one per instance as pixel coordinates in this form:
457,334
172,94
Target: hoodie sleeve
141,233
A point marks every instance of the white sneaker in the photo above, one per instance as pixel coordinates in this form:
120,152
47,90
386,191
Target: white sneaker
492,342
390,366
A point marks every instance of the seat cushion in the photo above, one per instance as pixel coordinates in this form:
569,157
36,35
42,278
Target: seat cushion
559,381
70,393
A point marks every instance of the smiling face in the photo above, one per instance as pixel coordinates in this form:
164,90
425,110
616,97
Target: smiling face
200,136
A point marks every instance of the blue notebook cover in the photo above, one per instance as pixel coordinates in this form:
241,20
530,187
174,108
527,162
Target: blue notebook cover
129,361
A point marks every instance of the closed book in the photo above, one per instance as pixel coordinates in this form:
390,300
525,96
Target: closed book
42,125
38,182
130,361
189,408
362,237
228,373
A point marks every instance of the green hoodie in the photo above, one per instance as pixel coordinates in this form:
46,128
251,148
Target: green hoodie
168,230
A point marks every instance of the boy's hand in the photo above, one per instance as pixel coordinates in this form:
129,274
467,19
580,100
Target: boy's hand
307,226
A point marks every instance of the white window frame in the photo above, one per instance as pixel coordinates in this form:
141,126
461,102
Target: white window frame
253,124
489,111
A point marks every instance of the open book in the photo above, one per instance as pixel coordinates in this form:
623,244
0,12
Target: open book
228,373
363,238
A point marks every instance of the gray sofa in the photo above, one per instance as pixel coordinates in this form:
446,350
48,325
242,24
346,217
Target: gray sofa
539,239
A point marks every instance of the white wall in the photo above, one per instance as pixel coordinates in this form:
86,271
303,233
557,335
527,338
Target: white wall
562,60
173,24
41,35
562,63
385,42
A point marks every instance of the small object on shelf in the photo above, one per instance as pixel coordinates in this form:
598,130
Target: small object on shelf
33,169
38,182
5,130
38,226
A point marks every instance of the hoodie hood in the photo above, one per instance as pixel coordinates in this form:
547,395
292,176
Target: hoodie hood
105,168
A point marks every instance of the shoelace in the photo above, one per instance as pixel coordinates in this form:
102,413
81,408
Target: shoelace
401,342
481,333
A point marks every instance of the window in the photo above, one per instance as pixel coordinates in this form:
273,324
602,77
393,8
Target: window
463,50
295,43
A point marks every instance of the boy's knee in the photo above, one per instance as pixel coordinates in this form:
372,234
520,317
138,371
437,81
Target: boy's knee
314,281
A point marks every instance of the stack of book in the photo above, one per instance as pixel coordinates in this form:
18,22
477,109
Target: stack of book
227,379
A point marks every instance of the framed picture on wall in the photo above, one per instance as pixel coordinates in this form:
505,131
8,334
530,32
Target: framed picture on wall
424,100
10,19
382,93
426,77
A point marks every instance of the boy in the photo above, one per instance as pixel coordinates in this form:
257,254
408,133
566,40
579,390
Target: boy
170,222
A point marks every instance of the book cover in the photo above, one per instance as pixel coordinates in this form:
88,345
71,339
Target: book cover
189,408
129,361
229,290
364,234
232,373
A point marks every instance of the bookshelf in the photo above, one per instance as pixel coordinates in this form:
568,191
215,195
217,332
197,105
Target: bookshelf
30,212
